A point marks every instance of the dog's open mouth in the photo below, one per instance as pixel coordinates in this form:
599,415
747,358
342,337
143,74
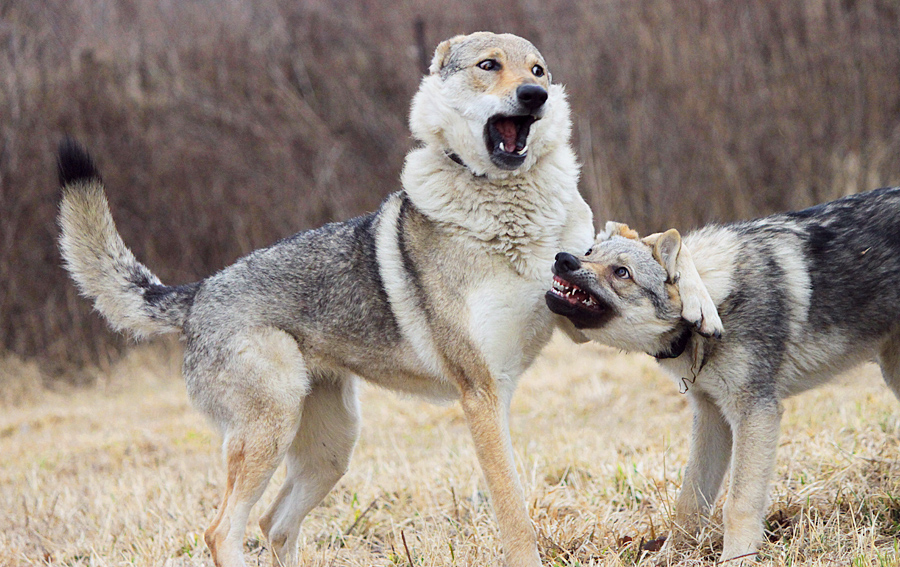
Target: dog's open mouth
572,294
586,311
506,138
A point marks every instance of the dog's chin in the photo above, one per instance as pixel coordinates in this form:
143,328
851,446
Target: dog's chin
506,139
506,161
581,315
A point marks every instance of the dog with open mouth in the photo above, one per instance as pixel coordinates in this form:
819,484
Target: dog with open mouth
438,293
803,296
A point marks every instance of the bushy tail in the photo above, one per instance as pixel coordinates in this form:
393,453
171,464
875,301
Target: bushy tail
124,291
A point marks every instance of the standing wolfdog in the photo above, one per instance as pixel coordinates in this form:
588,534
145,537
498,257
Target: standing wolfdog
439,293
803,296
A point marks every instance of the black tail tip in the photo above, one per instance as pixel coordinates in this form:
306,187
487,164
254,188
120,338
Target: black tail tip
74,163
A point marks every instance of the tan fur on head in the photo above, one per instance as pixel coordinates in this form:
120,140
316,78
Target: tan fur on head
698,307
613,228
455,103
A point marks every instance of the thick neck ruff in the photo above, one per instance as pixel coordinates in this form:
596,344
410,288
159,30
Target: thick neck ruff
524,217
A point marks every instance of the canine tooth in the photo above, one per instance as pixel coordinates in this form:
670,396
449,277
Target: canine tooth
522,151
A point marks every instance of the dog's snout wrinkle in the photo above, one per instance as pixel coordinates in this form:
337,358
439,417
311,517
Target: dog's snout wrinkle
531,96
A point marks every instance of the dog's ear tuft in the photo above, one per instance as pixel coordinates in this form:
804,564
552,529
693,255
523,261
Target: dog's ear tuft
666,247
442,54
613,228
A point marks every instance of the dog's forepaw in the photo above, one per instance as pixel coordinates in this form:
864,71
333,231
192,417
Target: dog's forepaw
710,326
697,306
699,310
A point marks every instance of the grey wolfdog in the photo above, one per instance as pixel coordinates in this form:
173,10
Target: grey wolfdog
803,296
438,293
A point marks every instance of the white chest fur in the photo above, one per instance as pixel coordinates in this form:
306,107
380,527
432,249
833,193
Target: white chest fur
526,218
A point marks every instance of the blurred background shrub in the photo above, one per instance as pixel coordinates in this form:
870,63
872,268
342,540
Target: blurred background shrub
223,125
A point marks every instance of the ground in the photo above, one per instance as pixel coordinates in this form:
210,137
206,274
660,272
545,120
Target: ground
127,473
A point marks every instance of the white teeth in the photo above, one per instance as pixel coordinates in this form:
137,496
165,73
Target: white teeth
566,291
522,151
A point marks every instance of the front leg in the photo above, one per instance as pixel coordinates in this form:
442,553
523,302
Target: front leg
708,461
487,417
697,306
753,461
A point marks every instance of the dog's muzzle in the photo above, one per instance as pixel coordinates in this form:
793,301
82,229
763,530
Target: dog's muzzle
566,297
506,135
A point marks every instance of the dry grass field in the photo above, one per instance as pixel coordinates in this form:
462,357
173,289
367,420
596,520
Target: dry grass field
127,473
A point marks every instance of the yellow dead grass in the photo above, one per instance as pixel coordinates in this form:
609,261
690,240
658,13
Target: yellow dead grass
128,473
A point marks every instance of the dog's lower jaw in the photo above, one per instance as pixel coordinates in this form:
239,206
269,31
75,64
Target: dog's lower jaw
507,145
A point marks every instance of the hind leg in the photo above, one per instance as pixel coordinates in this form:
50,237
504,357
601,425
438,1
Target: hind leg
256,398
889,359
316,460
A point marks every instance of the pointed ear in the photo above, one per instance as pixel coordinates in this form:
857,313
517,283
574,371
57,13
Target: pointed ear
442,54
666,247
617,229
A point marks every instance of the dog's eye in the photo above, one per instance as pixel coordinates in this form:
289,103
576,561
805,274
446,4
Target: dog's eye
538,71
588,253
622,273
489,65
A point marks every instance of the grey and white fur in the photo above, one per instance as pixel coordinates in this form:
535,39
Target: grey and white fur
438,293
803,296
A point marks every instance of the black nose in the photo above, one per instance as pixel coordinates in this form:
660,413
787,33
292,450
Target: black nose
566,263
531,97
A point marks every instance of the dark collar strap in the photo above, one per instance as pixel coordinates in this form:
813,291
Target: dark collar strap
455,158
678,345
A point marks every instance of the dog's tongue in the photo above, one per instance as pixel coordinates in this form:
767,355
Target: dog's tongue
508,131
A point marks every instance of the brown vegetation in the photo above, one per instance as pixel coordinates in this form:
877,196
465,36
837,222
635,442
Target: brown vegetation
221,126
